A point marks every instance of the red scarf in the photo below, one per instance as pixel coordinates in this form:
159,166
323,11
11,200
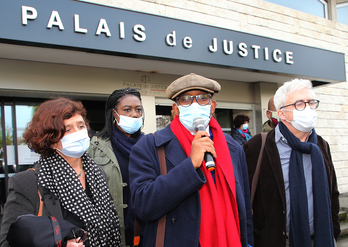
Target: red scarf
219,212
244,131
274,121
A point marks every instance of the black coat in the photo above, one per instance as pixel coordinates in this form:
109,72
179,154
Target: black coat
238,136
23,198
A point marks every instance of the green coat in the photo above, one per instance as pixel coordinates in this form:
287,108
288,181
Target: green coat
266,127
103,154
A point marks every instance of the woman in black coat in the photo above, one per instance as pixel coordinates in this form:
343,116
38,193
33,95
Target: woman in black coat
241,131
71,184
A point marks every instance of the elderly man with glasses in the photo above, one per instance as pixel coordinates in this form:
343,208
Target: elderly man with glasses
205,200
296,198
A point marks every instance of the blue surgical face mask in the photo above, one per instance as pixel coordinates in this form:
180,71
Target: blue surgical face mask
188,114
245,126
75,144
129,125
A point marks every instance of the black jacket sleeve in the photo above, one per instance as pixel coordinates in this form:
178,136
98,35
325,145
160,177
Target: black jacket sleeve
23,198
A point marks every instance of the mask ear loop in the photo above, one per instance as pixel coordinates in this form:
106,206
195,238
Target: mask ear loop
284,115
115,120
143,115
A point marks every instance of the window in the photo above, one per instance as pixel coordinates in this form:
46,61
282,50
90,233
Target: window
342,13
314,7
225,119
164,116
26,157
18,156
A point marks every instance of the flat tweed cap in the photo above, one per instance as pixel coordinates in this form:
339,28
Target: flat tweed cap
191,82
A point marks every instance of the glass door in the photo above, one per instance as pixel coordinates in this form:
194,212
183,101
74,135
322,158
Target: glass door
15,156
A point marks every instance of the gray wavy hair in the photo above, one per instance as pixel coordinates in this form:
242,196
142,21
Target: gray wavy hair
282,93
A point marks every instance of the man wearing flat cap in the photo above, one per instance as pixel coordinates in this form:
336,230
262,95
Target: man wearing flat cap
202,207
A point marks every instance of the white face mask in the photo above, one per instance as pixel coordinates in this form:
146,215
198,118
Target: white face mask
129,125
274,114
304,120
195,110
75,144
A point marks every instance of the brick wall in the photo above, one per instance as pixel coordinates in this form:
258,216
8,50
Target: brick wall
270,20
333,126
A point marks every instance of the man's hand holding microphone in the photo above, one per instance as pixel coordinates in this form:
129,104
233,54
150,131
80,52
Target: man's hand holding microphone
202,146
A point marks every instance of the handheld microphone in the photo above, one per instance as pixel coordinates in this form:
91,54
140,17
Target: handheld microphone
198,124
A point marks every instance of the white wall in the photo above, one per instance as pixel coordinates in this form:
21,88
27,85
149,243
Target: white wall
29,79
150,114
333,126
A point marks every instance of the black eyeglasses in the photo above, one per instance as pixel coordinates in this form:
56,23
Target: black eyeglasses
186,100
300,105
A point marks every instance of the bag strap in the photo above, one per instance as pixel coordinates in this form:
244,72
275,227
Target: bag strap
56,231
162,222
258,167
137,231
39,213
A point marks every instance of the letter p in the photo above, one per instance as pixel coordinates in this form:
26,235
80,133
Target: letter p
28,13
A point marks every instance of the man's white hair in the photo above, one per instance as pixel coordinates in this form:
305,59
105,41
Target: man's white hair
282,93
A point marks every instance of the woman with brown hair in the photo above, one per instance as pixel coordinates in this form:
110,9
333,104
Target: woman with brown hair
72,185
241,131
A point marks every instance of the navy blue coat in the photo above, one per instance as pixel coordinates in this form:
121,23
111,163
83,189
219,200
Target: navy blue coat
176,193
238,136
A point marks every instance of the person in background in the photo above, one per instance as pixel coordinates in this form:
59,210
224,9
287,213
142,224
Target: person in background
203,208
73,187
272,116
111,147
241,131
296,199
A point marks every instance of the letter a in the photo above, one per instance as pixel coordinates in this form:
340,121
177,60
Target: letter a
55,20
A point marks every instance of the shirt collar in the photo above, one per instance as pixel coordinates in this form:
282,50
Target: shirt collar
278,135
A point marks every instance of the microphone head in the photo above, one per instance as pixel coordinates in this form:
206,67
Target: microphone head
199,123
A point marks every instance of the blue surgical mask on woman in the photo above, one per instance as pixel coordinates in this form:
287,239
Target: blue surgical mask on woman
75,144
129,125
245,126
195,110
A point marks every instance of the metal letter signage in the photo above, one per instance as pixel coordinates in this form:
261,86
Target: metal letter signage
81,25
28,13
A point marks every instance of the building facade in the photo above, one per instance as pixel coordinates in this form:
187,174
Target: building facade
87,49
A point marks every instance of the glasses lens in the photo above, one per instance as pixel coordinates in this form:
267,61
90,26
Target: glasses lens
300,105
185,100
313,104
203,99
